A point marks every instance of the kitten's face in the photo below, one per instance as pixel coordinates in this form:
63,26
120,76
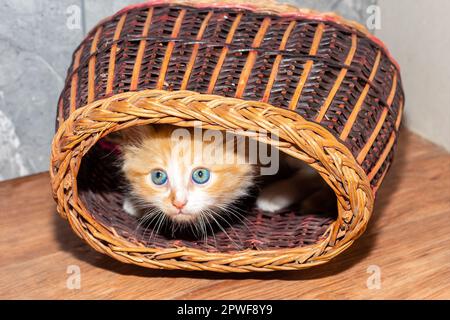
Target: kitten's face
179,179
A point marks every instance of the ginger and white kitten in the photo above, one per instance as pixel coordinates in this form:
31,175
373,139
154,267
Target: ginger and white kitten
167,176
171,176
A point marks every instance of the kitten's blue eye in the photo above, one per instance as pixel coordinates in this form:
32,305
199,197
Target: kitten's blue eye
159,177
200,176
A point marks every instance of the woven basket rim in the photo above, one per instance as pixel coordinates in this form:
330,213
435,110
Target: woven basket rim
86,125
265,7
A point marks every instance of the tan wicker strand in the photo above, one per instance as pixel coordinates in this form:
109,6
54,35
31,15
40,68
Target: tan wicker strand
383,156
73,88
140,53
92,61
112,58
247,69
305,140
307,66
191,62
277,61
355,111
224,52
169,49
363,153
340,78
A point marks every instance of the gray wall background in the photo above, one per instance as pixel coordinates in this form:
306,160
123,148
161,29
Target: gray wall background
421,44
37,38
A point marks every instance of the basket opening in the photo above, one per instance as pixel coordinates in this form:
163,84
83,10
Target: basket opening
102,188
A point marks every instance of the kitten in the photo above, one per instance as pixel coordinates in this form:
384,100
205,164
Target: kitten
167,176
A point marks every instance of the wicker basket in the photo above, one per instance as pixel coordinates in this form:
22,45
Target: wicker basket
326,85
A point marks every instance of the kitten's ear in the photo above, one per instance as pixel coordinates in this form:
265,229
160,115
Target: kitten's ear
130,136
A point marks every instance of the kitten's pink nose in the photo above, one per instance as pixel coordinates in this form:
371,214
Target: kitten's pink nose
179,204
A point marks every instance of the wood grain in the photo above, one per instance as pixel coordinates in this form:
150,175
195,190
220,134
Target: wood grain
408,239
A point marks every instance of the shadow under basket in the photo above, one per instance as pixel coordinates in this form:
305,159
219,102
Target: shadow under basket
326,87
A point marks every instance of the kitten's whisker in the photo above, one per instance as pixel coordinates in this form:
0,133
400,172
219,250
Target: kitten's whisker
149,223
173,228
151,214
195,229
148,214
227,222
204,230
158,218
192,229
212,232
159,224
233,210
211,214
239,211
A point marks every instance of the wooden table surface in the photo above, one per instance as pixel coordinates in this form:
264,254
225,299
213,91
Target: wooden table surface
407,241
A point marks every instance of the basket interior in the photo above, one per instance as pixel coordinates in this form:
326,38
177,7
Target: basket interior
101,186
